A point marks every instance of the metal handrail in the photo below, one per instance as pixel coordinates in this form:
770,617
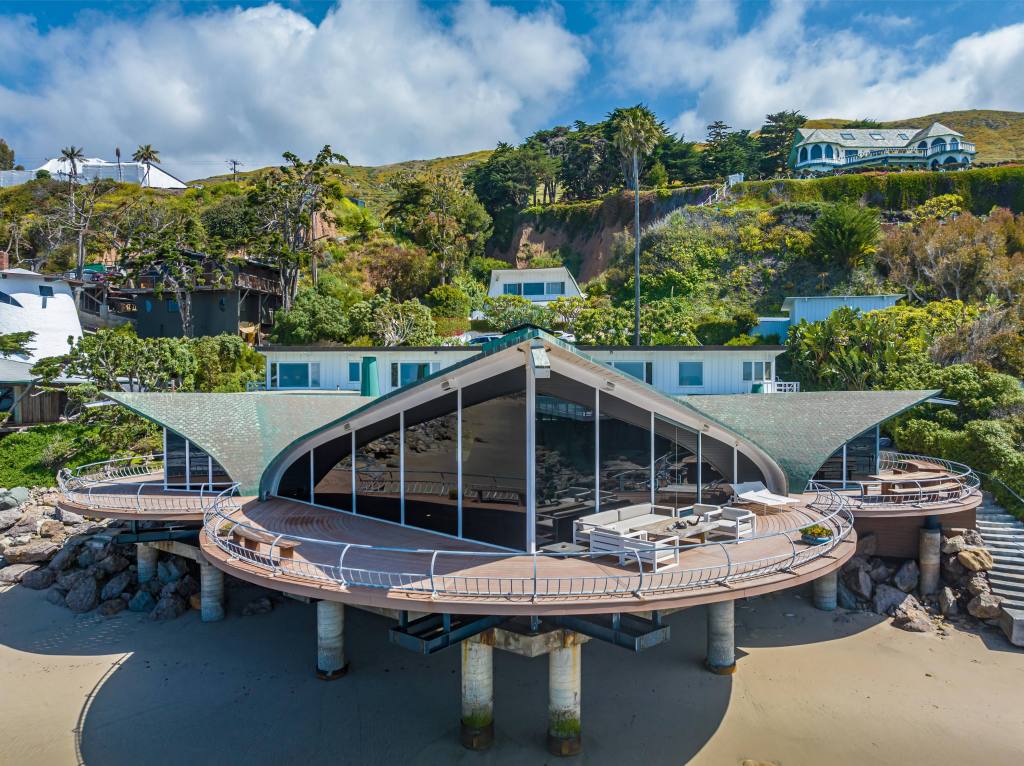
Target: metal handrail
533,586
84,486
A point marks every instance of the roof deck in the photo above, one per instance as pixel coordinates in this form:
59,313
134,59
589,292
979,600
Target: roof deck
133,488
340,556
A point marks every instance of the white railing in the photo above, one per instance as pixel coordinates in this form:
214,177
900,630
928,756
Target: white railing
898,152
534,577
954,485
109,485
783,386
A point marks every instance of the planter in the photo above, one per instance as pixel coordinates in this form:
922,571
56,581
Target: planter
813,540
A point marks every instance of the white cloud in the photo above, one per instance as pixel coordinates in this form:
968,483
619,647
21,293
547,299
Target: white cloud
380,82
784,61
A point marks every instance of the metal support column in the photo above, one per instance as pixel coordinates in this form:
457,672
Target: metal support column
401,466
531,461
597,450
845,473
354,471
700,461
654,478
476,728
458,453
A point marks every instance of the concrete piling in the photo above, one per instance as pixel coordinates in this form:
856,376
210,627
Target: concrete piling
476,730
929,543
564,688
146,557
721,657
211,593
825,589
330,640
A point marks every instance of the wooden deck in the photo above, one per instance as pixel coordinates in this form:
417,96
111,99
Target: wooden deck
493,582
122,499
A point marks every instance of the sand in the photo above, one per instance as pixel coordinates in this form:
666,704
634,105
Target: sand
812,688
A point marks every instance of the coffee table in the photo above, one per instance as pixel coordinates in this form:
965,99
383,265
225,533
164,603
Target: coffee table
672,527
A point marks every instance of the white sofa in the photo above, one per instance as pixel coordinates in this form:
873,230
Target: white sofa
617,520
732,522
634,546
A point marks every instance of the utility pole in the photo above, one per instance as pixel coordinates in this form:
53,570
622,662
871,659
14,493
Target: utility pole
234,165
117,153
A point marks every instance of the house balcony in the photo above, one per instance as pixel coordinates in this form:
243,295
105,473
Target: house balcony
897,154
909,485
134,488
337,555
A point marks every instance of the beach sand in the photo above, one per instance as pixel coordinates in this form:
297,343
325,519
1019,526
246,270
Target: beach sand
812,688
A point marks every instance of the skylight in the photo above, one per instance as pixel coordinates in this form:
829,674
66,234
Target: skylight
847,136
876,136
904,136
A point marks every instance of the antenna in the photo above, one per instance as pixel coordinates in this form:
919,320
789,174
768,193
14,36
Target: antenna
234,165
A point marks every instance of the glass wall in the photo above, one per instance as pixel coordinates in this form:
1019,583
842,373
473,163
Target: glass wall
332,473
675,464
494,460
198,467
295,481
625,453
431,466
565,457
175,461
377,469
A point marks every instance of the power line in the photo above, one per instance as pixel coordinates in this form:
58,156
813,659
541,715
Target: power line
234,165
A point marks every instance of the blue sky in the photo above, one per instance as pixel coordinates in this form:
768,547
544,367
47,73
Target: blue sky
387,81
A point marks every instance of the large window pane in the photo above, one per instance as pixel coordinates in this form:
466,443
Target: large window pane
174,461
198,467
332,472
494,460
691,373
294,483
293,375
675,464
639,370
377,466
431,465
565,457
220,476
625,453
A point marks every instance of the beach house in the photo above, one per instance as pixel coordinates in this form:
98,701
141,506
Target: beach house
816,308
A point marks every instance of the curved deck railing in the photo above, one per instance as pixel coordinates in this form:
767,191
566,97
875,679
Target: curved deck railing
954,486
463,574
114,485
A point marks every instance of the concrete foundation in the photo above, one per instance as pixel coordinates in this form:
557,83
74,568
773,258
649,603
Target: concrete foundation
929,544
211,594
721,657
564,689
825,589
476,730
330,640
146,557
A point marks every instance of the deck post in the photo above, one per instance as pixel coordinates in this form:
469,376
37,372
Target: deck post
146,557
825,590
476,728
330,640
700,478
564,689
929,541
211,593
721,657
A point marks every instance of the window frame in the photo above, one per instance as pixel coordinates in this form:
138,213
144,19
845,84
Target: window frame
681,379
512,288
559,288
312,375
358,368
751,370
648,368
530,289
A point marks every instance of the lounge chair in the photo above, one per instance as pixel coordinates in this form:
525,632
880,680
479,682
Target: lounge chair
757,494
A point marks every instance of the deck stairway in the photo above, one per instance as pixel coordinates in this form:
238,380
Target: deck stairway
1004,538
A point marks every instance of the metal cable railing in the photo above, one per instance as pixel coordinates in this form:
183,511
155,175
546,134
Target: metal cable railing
112,485
521,576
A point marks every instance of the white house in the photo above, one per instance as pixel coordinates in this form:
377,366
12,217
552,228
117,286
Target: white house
144,174
540,286
42,304
673,370
815,308
822,150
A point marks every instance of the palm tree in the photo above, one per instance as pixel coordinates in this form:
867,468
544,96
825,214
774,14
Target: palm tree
73,154
147,155
637,131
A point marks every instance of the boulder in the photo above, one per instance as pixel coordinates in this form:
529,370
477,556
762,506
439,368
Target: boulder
7,502
8,518
113,563
947,602
984,606
13,573
86,557
68,580
112,607
261,605
973,538
879,571
910,615
972,559
867,545
187,586
906,576
171,569
55,596
20,494
32,553
952,568
83,597
69,517
65,555
887,599
116,585
142,601
52,529
856,562
845,597
860,583
168,608
38,579
977,584
954,544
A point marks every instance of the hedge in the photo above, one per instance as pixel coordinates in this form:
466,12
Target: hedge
981,189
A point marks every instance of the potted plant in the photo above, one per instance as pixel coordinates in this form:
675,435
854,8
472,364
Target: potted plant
816,534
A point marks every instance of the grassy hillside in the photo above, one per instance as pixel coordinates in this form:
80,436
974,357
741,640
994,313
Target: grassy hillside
999,136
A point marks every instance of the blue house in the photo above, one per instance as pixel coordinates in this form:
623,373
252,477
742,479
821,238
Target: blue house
815,308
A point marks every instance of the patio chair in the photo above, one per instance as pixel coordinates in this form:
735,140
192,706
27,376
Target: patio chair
733,523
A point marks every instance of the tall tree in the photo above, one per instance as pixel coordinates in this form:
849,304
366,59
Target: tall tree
6,156
73,154
147,155
776,138
637,132
289,202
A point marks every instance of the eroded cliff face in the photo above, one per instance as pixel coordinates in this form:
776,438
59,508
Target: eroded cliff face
583,232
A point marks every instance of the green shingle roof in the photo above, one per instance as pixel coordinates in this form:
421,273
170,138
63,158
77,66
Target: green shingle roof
243,432
801,431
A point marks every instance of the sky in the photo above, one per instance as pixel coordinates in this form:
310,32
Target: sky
408,79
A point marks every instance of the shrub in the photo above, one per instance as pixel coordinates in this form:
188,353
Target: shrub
845,234
448,301
31,458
